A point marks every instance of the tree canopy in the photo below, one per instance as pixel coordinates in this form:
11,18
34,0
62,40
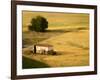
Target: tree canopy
38,24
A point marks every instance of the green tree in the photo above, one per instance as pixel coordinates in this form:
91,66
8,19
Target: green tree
38,24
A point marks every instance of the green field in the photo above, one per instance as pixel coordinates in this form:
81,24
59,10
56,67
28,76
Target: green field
67,32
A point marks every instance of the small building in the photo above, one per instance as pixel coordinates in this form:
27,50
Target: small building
42,48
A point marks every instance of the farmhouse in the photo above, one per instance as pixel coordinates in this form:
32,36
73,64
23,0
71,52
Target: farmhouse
43,48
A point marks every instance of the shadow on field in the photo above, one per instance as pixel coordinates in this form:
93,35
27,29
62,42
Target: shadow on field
29,63
55,31
68,30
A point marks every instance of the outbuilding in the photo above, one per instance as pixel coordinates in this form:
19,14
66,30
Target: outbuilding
42,48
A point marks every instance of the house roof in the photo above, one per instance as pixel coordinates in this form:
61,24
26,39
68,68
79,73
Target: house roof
45,45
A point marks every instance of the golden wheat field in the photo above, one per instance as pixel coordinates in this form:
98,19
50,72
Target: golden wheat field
68,33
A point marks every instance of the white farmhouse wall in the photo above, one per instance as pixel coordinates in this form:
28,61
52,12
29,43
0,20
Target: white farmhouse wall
43,48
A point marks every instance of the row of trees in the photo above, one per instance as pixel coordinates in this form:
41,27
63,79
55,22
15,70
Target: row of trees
38,24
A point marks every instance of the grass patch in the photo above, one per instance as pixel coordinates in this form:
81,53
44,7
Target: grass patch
29,63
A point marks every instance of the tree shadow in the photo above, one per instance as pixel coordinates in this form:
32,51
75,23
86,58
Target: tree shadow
82,28
58,30
68,30
29,63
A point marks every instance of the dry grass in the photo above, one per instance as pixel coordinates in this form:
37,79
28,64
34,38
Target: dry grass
57,19
72,50
69,35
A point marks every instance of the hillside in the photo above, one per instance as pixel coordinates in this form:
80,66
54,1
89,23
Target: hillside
68,33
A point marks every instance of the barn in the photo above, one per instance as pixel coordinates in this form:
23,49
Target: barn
42,48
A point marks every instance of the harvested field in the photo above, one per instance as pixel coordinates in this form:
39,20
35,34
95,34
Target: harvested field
67,33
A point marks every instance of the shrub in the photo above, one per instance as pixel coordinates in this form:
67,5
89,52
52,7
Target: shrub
52,52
